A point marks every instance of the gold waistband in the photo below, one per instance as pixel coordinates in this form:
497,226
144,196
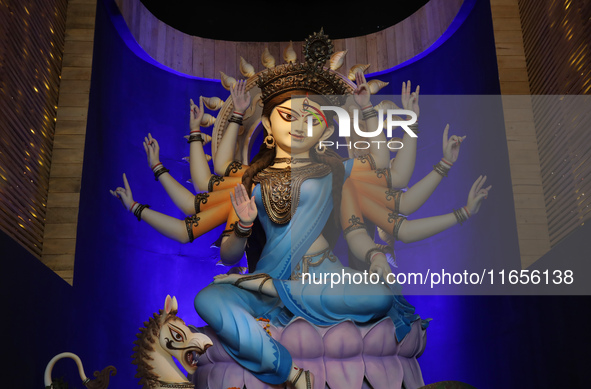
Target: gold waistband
307,262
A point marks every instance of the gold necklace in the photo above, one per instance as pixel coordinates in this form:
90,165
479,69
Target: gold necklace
280,188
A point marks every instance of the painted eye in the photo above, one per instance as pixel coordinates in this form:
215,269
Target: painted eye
315,121
288,117
177,336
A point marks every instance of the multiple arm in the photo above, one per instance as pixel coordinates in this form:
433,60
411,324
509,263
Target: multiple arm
180,196
362,245
225,151
168,226
200,173
402,167
377,149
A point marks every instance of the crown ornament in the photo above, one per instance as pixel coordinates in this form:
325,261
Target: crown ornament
310,75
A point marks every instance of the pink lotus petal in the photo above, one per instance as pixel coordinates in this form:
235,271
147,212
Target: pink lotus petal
383,372
413,343
380,340
413,378
201,375
343,341
302,340
316,367
345,373
226,375
251,382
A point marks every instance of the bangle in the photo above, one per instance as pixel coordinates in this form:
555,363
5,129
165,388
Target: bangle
235,118
133,205
371,252
240,232
460,215
245,227
368,112
138,211
465,208
160,172
441,168
154,167
195,137
445,161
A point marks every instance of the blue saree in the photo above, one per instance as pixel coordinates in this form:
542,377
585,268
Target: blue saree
231,312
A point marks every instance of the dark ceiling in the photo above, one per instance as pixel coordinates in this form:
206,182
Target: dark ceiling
257,21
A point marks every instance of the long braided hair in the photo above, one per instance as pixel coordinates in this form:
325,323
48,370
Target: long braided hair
265,157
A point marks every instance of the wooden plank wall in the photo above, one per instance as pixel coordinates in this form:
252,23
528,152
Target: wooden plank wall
561,113
31,47
59,242
206,57
530,209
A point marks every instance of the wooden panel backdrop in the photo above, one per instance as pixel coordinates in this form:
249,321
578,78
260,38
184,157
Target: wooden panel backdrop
59,242
562,28
31,46
206,57
530,210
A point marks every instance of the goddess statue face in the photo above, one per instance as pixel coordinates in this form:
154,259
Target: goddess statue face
288,123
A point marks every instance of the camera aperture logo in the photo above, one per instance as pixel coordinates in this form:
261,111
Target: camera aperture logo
393,120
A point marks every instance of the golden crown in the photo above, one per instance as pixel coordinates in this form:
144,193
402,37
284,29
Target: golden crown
309,76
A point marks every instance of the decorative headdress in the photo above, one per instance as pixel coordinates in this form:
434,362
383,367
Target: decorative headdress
311,76
308,76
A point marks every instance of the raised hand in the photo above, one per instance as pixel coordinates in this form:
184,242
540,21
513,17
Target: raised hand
451,145
410,100
196,115
240,97
476,195
152,150
244,206
124,194
362,94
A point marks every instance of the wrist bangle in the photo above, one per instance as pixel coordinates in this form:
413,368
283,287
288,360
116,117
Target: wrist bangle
441,168
461,217
195,132
160,172
374,254
241,233
243,226
195,137
154,167
132,205
371,252
368,112
235,118
465,208
138,211
445,161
